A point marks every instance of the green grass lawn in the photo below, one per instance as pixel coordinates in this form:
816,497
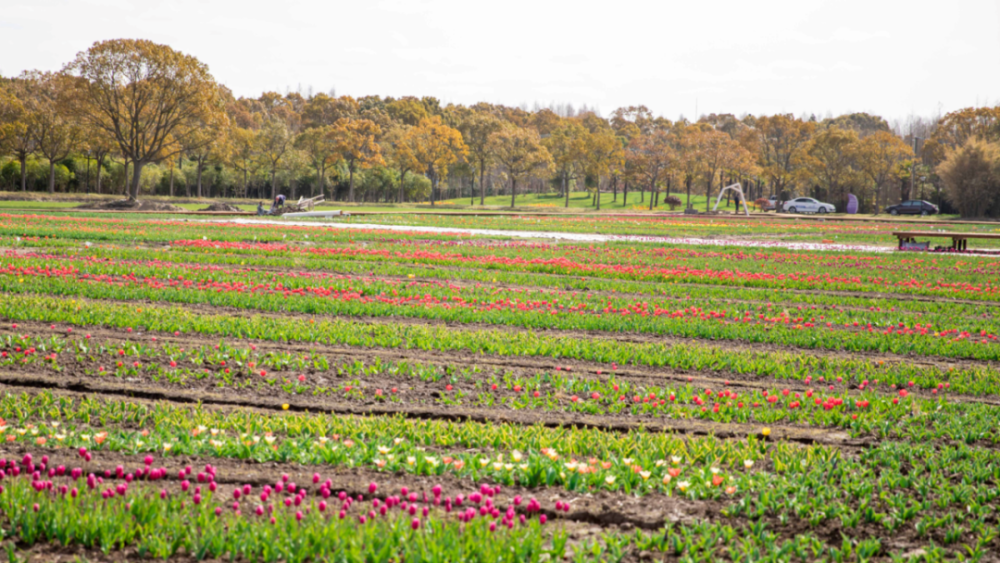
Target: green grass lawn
579,201
41,205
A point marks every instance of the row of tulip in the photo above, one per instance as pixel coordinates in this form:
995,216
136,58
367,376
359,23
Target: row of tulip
873,408
132,509
963,276
851,330
896,487
974,379
545,286
827,230
163,273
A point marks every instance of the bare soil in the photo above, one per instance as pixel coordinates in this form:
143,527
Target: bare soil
222,206
228,397
128,205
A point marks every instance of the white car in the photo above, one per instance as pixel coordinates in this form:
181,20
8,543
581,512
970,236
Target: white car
807,205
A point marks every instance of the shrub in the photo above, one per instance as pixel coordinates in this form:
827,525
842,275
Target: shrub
971,176
672,200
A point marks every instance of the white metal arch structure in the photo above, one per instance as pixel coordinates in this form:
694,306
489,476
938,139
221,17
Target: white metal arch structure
739,190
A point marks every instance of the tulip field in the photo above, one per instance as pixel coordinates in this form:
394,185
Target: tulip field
186,391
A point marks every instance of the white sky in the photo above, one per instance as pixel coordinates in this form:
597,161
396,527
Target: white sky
890,58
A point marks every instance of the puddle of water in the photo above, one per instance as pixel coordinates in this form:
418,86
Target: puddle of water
576,237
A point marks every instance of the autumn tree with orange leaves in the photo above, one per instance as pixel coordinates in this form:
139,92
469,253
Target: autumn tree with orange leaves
401,151
519,152
355,142
437,146
150,98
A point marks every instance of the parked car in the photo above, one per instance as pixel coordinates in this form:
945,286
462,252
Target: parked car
771,205
807,205
913,207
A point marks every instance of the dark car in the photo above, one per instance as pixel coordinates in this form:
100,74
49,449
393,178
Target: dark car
913,207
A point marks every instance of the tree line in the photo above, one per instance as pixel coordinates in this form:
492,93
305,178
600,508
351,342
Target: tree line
134,117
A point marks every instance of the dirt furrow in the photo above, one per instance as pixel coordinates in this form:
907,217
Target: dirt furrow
804,435
531,365
618,337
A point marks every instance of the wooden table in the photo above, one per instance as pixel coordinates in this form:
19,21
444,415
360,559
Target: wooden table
959,241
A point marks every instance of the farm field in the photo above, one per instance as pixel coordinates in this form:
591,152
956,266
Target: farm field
218,391
760,229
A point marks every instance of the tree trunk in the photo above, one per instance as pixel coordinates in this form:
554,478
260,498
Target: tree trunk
100,166
350,190
200,162
23,158
402,193
688,182
652,196
482,181
127,185
513,191
614,189
472,187
171,181
708,193
433,185
625,194
274,183
88,173
136,175
598,194
52,177
567,193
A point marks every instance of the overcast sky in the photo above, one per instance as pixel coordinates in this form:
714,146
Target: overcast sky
800,56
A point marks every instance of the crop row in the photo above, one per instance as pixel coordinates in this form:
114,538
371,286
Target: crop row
874,408
119,511
945,494
965,276
828,230
642,317
543,285
407,291
203,520
974,283
781,365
